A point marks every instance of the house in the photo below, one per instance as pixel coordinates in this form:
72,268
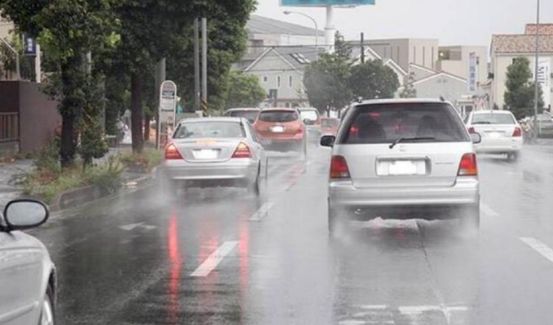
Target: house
404,51
456,60
506,47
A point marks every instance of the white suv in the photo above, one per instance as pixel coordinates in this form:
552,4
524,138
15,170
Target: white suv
403,159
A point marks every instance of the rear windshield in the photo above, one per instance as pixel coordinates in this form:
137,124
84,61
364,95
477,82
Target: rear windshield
329,123
249,115
194,130
492,118
411,122
278,116
309,115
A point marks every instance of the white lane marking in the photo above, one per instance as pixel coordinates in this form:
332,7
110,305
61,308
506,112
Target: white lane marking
410,310
214,259
262,212
133,226
488,210
373,307
539,247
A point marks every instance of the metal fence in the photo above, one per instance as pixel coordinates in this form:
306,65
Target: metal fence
9,127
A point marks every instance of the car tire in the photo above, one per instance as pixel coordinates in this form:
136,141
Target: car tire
47,313
470,220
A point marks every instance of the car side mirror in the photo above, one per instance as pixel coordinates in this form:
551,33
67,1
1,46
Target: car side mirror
327,140
25,214
476,138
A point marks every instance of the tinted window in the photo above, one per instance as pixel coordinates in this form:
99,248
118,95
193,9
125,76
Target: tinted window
278,116
492,118
385,123
250,115
193,130
310,115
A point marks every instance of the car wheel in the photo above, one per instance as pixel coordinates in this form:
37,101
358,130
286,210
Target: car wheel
470,220
47,313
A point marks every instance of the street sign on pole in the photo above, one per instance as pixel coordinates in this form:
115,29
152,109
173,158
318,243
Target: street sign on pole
29,45
167,110
472,81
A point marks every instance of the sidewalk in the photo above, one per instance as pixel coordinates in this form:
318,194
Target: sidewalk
10,177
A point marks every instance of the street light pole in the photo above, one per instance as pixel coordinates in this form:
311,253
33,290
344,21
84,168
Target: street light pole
287,12
536,85
17,69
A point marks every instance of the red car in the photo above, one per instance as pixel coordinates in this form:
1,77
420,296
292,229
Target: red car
281,128
329,125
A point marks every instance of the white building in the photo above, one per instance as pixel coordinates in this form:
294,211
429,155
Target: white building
456,60
505,48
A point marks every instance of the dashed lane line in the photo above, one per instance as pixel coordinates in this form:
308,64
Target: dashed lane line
214,259
262,212
539,247
488,210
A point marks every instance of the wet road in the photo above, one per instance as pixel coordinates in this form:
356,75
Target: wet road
221,256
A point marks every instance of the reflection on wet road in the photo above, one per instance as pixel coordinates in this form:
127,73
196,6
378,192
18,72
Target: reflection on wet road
217,256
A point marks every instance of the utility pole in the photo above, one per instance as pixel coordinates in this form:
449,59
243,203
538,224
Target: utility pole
38,64
362,47
204,66
197,91
329,29
160,78
536,85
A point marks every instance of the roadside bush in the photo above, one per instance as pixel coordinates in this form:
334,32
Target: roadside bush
144,162
108,176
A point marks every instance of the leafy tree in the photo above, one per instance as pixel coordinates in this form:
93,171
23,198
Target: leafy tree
244,90
326,80
372,79
409,90
519,96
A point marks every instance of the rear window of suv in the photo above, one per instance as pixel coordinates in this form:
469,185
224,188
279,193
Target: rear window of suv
278,116
492,118
411,122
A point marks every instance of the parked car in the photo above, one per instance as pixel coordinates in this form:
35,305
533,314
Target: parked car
281,128
500,132
249,113
403,159
27,274
221,151
545,126
312,120
329,125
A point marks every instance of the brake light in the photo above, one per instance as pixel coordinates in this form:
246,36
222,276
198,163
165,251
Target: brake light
468,166
354,130
472,130
299,130
172,153
517,132
339,167
242,151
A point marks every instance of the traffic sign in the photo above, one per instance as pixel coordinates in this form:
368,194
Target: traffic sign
168,96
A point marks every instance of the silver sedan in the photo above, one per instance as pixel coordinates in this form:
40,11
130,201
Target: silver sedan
27,275
206,152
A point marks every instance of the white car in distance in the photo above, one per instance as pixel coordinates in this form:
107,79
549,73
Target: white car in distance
499,130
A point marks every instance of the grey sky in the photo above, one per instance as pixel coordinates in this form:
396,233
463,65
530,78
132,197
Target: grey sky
468,22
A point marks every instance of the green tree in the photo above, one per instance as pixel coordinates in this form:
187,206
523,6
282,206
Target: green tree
519,96
372,79
409,90
326,80
244,90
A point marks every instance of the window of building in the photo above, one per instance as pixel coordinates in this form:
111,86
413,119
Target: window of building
278,81
265,78
290,81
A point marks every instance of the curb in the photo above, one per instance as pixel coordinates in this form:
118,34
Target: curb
75,198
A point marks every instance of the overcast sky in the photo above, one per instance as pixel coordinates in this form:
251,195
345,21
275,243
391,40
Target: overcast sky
466,22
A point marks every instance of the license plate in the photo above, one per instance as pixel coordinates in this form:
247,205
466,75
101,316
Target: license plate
403,167
494,134
277,129
205,154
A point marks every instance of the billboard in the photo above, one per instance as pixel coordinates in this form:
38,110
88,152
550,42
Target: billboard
544,79
324,3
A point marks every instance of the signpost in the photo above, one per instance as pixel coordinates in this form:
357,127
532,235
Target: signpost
167,110
472,81
544,79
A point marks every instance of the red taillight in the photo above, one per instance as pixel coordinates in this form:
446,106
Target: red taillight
339,167
472,130
354,131
171,152
242,151
517,132
468,166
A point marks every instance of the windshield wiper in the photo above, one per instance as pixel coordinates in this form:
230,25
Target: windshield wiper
398,140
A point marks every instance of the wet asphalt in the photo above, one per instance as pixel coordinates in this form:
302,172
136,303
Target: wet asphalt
223,256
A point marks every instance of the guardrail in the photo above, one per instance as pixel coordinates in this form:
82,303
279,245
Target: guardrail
9,127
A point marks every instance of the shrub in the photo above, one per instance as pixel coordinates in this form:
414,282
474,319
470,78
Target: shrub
146,161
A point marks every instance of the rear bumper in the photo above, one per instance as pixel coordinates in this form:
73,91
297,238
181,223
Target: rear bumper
234,170
499,145
465,192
